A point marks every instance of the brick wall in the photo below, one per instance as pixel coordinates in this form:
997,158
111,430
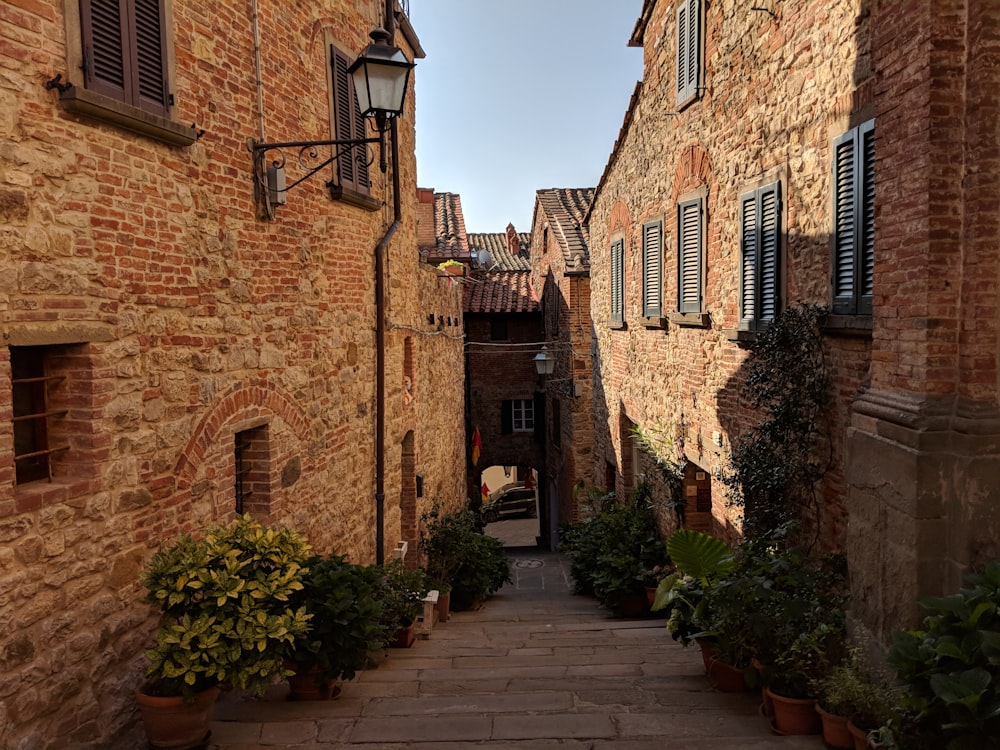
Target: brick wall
777,90
179,319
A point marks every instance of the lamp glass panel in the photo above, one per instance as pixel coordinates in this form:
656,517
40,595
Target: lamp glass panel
381,86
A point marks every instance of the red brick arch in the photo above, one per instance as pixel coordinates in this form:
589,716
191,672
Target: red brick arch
694,169
619,220
240,403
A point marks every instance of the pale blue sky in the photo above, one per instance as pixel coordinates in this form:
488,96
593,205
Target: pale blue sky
519,95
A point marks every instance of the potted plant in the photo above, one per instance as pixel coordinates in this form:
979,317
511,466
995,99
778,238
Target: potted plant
225,619
950,669
458,552
853,700
346,626
452,267
400,591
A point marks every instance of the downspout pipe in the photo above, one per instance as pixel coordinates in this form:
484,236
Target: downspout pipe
380,250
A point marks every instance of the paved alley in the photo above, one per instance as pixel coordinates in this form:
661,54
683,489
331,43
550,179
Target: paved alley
536,667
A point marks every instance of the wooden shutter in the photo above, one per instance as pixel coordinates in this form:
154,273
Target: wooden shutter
506,417
124,49
352,166
150,87
866,239
689,245
748,259
652,241
539,417
688,49
770,256
617,281
854,220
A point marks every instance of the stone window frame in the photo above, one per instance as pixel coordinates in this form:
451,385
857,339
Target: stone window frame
80,100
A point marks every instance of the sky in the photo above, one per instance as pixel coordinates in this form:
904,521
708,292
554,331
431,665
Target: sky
516,96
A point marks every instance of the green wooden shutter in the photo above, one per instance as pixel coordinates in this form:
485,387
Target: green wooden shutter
617,281
689,245
769,202
539,417
866,240
506,417
854,220
652,242
748,259
688,49
844,223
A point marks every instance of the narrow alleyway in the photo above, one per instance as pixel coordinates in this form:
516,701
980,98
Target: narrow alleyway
537,667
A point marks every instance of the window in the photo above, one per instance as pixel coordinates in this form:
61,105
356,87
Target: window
351,168
854,220
32,383
760,247
517,415
688,50
652,242
252,485
125,52
690,244
617,282
523,415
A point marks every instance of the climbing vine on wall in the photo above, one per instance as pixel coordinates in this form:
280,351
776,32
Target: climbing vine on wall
776,466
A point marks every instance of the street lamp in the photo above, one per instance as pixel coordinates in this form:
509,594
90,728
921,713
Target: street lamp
381,75
545,361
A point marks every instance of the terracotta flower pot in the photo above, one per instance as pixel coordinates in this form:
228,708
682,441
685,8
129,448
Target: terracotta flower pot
174,724
795,715
405,637
835,731
707,651
309,684
725,677
651,594
444,606
859,735
633,605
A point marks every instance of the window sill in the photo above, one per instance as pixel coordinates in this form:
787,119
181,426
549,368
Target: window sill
654,322
617,326
691,320
80,101
848,326
354,198
740,336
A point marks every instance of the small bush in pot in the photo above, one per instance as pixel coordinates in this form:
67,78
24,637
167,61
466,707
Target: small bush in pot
400,592
457,552
346,624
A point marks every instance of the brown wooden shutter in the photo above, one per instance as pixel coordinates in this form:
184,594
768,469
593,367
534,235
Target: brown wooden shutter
105,34
506,417
689,245
150,57
352,166
652,242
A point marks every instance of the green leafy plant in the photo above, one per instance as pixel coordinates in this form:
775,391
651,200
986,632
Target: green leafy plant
346,624
950,669
226,608
858,691
776,466
400,591
611,553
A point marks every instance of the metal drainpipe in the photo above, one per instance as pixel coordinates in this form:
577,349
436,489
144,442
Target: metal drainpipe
380,250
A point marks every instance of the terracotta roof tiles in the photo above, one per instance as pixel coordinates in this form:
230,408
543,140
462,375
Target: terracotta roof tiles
499,292
566,209
498,247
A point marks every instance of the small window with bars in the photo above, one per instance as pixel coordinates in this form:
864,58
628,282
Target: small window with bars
33,412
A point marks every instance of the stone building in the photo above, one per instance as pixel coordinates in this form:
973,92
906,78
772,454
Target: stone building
835,153
503,325
171,355
560,267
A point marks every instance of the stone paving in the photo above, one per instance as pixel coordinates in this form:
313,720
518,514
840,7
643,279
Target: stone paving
536,667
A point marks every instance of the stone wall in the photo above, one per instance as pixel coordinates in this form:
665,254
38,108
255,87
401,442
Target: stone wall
178,319
778,87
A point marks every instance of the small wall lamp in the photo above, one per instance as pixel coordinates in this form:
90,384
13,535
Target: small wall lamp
381,75
545,361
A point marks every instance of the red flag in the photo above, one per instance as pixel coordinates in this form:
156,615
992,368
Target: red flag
529,482
477,446
486,493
